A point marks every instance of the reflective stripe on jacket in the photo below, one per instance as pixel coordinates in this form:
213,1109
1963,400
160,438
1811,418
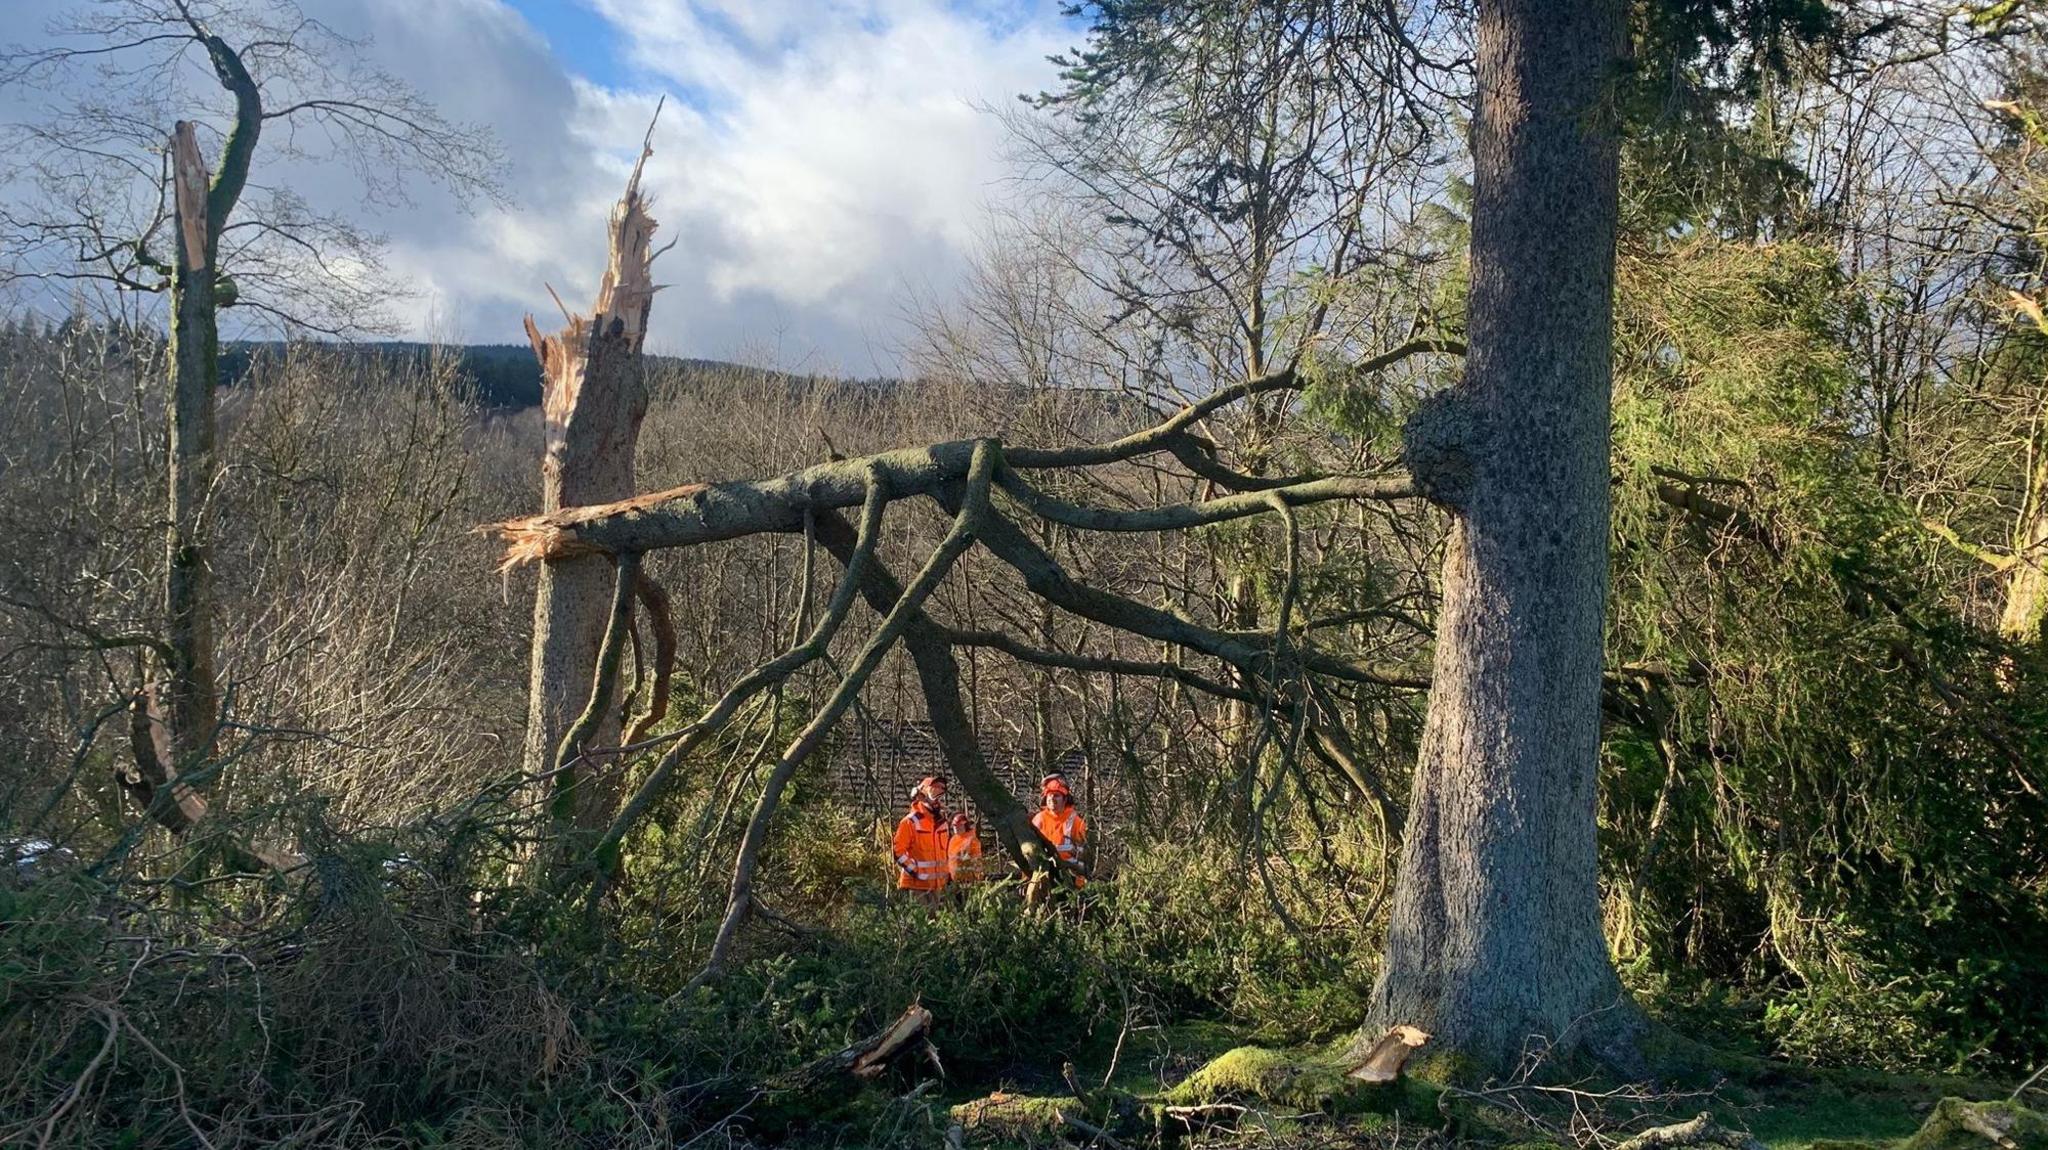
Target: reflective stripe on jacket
965,853
920,850
1067,834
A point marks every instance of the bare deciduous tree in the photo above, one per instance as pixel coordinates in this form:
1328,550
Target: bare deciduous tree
110,176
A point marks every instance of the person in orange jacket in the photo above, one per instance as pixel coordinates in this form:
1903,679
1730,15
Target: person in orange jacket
920,846
963,852
1062,825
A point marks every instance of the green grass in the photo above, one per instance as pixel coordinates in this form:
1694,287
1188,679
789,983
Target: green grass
1793,1108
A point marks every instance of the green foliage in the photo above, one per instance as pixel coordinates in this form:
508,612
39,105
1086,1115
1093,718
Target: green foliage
1758,552
1206,942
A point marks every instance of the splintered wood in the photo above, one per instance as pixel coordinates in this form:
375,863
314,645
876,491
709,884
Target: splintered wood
593,398
625,297
908,1036
533,538
188,186
1384,1061
915,1023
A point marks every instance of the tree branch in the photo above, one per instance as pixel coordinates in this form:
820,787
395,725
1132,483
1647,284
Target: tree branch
966,522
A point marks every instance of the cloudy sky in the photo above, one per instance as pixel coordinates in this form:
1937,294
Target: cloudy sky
819,161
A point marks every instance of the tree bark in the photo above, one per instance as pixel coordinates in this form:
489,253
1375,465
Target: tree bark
191,699
594,396
1495,935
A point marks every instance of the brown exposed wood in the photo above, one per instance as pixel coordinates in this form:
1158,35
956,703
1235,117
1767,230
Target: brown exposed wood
188,186
866,1059
1384,1060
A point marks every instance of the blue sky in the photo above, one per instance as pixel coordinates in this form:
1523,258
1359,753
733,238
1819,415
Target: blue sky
582,41
820,163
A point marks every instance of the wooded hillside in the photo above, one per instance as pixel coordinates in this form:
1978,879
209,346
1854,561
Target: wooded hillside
1519,528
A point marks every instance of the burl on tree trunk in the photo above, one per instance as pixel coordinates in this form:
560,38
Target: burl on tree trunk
1495,936
594,395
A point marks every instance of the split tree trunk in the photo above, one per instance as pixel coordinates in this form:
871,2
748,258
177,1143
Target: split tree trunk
594,395
177,718
191,698
1495,935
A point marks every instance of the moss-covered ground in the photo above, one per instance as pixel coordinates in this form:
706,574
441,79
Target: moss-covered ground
1301,1098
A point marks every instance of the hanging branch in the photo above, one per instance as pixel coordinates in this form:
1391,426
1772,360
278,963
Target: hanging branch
661,621
938,672
604,684
760,678
974,507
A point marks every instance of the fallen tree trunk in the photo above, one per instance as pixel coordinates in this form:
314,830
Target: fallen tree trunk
712,512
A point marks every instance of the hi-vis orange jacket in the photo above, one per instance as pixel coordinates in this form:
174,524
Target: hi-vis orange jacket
965,855
1068,833
920,850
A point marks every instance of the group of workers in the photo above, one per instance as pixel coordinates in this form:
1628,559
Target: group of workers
933,852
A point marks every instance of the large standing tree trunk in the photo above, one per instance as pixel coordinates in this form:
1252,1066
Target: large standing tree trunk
1495,934
594,395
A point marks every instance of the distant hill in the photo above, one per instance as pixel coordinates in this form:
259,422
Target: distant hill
506,374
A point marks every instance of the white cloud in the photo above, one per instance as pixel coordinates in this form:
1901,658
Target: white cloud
817,161
822,158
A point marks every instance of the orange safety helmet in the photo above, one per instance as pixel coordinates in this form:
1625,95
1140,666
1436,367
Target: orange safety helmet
962,823
926,787
1055,784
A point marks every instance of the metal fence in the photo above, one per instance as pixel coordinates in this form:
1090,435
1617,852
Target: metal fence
873,763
